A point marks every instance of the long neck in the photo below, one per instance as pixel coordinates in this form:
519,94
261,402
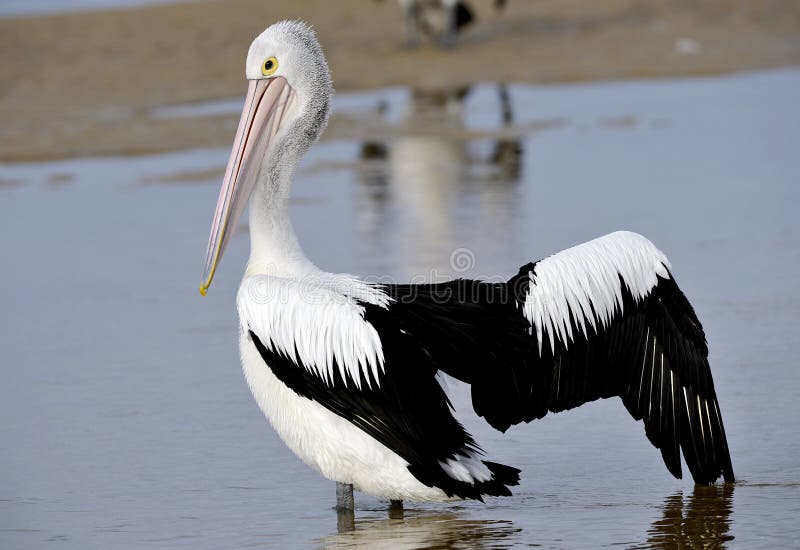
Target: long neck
274,249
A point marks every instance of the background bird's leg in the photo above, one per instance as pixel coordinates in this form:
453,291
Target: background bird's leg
507,152
505,105
448,37
344,496
411,14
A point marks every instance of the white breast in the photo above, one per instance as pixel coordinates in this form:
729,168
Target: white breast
325,441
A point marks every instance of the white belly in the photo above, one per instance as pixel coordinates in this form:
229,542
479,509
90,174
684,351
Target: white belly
327,442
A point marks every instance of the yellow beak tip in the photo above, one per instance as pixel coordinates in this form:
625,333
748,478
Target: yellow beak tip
203,289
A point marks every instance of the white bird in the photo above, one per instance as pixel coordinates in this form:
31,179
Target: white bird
346,371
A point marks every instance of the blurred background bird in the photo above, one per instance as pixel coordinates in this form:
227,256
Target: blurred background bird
439,20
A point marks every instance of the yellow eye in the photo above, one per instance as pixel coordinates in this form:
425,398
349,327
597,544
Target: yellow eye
269,66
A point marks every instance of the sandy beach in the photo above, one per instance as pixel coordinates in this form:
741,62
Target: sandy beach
84,84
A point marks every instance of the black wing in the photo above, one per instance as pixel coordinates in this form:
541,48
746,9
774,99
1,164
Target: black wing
653,355
627,330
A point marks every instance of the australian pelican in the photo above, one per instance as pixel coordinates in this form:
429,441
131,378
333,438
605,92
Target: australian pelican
439,19
346,371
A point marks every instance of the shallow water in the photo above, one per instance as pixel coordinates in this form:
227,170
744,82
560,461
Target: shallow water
17,8
125,420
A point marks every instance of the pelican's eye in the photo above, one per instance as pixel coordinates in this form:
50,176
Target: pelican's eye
269,66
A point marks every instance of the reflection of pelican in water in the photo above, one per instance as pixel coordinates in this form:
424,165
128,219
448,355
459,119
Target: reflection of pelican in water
421,530
418,182
701,520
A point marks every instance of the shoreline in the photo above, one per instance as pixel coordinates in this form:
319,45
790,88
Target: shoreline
98,77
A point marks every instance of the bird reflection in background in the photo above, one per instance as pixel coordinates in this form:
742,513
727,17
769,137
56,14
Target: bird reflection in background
416,182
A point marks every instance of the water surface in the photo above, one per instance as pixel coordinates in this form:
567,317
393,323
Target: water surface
125,420
17,8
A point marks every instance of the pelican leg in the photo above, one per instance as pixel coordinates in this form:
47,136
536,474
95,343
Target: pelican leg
345,521
396,509
344,496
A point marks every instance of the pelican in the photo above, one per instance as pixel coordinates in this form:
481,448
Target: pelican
347,371
439,19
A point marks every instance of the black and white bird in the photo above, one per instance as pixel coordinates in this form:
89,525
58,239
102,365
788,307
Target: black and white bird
346,371
441,20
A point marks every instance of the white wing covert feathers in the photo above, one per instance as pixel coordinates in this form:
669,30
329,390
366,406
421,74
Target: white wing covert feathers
318,322
583,284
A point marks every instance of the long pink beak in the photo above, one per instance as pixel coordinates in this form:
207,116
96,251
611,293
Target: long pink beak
264,109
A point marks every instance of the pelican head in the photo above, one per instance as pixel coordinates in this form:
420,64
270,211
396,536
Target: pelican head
285,111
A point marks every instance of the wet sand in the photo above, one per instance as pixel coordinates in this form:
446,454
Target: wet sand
86,83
